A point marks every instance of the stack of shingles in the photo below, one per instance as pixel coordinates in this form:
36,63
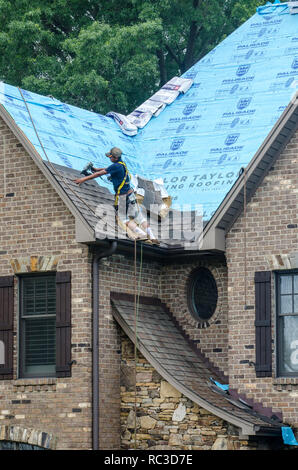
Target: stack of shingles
152,198
175,229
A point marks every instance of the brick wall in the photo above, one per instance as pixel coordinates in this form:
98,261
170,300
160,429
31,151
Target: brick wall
35,222
272,217
212,339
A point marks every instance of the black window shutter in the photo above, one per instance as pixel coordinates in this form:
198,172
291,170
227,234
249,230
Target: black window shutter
6,325
263,324
63,324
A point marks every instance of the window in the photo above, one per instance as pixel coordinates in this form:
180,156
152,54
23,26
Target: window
287,323
11,445
38,326
202,294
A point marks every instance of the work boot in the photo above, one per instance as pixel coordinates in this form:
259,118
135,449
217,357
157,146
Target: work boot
142,238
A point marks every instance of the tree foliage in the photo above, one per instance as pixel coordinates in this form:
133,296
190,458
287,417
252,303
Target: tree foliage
108,55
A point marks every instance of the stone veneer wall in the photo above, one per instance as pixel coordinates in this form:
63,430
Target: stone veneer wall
165,419
272,241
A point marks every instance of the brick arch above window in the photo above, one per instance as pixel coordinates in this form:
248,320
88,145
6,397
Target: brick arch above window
31,264
28,436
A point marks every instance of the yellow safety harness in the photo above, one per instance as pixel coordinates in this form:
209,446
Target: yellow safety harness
122,184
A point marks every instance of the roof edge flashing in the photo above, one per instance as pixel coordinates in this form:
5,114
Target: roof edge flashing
270,8
280,7
293,8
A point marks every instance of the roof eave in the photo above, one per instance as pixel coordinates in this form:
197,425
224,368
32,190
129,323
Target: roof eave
161,254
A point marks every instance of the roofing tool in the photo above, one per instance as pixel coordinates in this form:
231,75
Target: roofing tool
87,169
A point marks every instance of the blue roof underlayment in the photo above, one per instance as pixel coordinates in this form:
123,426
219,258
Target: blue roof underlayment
199,143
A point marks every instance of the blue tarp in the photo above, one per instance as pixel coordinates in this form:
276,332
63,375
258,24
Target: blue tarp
288,436
199,143
71,136
224,387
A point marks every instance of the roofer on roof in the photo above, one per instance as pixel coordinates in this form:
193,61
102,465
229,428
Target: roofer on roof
120,178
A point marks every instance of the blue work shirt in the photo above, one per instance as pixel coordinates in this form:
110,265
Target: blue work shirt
117,172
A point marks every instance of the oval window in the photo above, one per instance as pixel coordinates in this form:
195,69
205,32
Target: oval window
202,294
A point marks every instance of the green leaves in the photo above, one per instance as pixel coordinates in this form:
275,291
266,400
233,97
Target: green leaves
120,67
109,54
243,10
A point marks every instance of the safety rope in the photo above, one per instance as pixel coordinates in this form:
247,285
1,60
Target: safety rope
135,347
136,316
137,289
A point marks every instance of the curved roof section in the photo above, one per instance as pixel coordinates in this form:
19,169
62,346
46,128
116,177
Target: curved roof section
162,343
200,142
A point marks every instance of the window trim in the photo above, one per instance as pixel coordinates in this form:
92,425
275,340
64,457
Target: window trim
21,327
278,330
190,285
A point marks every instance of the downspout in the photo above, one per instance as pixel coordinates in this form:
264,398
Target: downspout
95,342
